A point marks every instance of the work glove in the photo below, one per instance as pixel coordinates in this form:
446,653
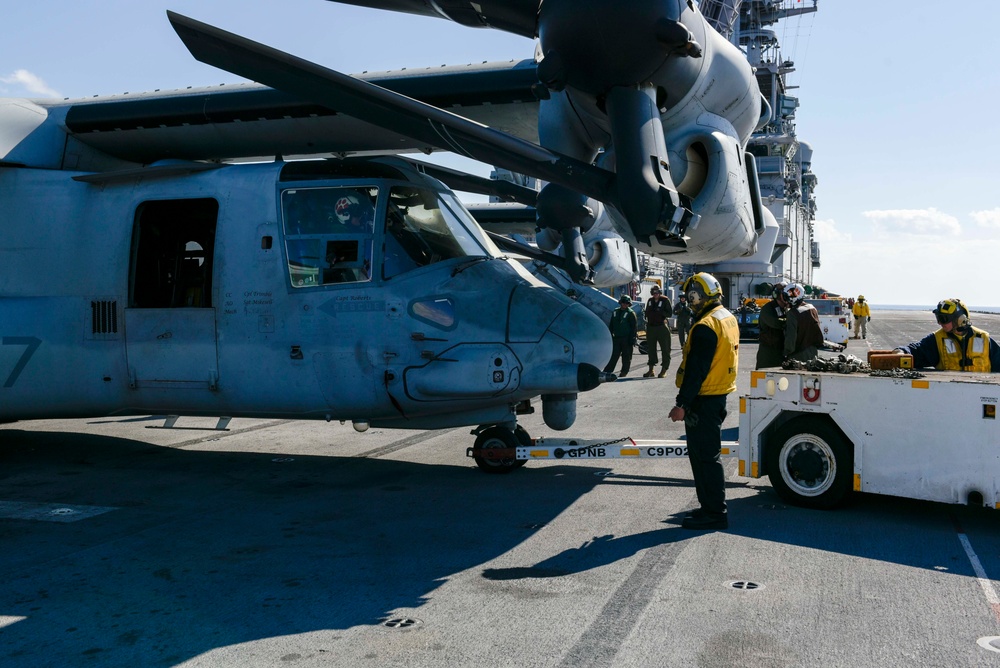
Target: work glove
869,318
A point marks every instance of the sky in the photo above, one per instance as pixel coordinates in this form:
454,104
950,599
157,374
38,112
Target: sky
898,98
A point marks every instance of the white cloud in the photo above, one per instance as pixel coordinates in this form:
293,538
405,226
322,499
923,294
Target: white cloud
908,270
31,82
990,218
826,231
914,221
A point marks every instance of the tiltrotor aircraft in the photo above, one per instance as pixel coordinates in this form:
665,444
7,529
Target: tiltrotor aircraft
144,271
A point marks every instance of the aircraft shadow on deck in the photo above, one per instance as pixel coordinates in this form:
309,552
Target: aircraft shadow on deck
212,549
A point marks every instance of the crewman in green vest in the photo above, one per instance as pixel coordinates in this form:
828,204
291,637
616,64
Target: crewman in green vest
624,328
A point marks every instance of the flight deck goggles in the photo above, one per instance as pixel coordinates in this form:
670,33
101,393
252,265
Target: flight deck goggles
947,311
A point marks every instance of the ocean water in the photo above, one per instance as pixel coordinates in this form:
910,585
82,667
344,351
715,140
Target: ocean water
929,307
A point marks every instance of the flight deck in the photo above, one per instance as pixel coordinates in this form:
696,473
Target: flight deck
303,543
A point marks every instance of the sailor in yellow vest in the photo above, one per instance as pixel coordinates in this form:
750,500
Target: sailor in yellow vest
957,346
862,314
706,376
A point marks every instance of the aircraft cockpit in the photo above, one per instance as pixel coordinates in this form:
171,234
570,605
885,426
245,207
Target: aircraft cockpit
329,234
338,234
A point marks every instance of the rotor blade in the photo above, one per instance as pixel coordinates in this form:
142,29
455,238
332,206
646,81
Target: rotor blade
384,108
519,17
470,183
528,251
504,218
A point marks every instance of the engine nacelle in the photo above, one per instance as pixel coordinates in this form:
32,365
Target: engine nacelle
709,165
708,104
548,239
612,261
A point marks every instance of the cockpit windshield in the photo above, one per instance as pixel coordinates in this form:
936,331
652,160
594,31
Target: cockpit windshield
424,226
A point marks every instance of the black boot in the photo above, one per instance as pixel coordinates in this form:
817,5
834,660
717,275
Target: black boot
705,522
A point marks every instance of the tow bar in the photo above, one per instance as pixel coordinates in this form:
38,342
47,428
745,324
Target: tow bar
577,448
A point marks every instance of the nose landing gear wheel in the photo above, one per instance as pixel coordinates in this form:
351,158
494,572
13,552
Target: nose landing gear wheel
501,438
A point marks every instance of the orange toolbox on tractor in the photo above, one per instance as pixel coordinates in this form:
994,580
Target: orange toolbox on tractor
887,359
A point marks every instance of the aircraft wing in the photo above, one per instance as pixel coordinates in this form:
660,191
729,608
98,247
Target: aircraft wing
250,120
519,17
406,116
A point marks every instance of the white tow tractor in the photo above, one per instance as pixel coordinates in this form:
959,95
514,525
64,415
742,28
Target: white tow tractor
834,319
819,435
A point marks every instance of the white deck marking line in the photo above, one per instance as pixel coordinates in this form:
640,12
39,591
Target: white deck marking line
984,581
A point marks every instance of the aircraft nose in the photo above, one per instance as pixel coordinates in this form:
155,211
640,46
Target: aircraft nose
569,349
575,346
541,344
589,335
566,346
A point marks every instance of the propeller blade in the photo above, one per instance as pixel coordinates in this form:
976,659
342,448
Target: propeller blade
470,183
504,218
528,251
519,17
381,107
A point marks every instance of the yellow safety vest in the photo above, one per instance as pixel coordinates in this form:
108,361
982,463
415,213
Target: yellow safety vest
721,377
950,352
861,309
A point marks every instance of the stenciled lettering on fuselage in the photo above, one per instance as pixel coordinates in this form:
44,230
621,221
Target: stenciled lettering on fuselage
31,344
352,304
257,302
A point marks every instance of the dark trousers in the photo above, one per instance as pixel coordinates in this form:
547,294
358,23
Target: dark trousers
769,355
658,336
703,426
682,333
621,346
